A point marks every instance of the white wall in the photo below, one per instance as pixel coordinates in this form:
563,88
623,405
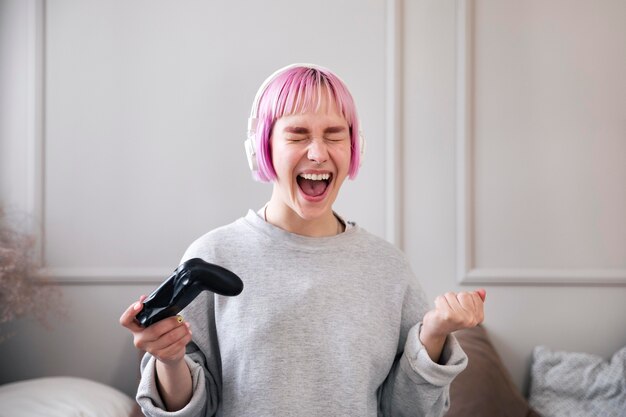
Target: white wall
146,113
145,107
15,100
548,179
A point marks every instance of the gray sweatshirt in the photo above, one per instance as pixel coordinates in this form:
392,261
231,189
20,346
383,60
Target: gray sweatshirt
324,327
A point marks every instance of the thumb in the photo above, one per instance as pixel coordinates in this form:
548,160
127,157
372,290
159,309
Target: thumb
482,293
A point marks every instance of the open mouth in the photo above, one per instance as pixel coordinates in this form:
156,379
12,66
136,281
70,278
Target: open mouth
314,185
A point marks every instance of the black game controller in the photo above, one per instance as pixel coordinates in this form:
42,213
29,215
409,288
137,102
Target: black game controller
185,283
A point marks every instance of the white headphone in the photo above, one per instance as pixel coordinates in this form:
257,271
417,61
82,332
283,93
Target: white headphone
250,143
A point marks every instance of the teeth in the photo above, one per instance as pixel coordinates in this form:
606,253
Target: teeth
315,177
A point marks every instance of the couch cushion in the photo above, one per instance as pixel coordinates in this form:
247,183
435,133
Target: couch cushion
63,397
485,387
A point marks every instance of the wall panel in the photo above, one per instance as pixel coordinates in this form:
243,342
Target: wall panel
542,155
145,107
146,111
525,312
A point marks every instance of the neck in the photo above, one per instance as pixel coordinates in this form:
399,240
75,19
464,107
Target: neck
326,225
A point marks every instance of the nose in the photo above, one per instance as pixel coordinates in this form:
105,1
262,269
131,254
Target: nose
317,151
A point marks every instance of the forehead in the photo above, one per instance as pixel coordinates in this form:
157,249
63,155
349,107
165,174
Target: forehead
325,115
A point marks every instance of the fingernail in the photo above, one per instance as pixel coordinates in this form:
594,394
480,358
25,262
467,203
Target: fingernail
179,318
137,306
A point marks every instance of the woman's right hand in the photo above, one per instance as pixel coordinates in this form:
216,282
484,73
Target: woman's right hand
165,339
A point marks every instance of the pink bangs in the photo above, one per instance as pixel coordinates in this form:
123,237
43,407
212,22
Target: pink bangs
296,90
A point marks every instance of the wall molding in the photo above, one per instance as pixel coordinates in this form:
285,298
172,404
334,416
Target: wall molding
35,171
393,123
35,181
546,276
99,276
35,116
467,271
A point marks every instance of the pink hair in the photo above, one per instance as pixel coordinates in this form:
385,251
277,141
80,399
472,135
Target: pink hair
298,89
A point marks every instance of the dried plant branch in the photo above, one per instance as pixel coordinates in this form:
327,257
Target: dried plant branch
22,292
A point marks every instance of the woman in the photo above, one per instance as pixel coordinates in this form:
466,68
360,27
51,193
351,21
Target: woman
331,321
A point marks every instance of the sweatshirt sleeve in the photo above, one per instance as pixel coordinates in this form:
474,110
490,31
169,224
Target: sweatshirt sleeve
202,358
151,403
417,386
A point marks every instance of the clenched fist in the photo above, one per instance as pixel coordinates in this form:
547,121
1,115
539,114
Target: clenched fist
452,312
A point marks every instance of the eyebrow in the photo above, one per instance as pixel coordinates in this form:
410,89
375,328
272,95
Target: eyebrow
303,130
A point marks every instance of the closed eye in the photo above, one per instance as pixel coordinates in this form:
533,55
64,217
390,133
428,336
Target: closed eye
336,138
297,138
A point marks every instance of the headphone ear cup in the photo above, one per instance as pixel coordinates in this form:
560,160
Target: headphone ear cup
251,154
362,147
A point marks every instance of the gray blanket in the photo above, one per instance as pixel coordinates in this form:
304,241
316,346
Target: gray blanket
578,384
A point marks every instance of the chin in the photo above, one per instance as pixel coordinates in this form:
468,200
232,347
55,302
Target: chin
311,210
